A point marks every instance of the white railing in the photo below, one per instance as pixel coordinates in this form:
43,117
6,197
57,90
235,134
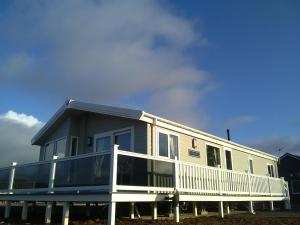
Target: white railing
117,170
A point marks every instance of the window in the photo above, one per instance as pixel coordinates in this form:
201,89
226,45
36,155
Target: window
271,170
57,147
228,159
167,145
251,166
49,151
74,146
173,146
123,139
61,148
213,156
104,141
163,145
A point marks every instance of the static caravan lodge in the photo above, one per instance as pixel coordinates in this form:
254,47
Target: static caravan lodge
108,154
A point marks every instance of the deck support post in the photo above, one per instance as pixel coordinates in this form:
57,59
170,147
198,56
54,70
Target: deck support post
154,211
287,204
251,210
24,211
221,209
176,212
227,208
271,206
195,209
7,210
111,213
65,214
87,209
132,210
48,212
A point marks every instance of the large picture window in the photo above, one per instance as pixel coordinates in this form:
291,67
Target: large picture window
167,145
213,156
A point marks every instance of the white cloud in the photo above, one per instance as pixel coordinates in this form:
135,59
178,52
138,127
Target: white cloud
20,118
16,131
108,51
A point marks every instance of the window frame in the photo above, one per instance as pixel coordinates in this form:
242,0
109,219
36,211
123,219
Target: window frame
250,159
168,133
112,133
229,150
270,164
215,146
55,146
70,146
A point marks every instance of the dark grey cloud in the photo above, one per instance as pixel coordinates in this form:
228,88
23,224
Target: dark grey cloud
274,144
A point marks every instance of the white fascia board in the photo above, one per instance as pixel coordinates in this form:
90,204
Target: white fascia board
160,122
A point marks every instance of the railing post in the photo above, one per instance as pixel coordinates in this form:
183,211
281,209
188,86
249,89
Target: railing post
220,180
249,183
113,168
176,191
52,174
12,177
269,184
113,183
176,174
49,205
10,188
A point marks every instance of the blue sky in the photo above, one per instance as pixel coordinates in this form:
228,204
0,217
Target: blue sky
229,64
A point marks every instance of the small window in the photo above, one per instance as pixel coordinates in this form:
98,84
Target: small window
228,160
213,156
49,151
271,170
74,146
163,145
103,143
251,166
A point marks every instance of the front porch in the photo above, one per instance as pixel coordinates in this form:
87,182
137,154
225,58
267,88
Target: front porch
121,176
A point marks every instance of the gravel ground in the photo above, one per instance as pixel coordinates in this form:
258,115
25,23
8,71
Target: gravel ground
236,218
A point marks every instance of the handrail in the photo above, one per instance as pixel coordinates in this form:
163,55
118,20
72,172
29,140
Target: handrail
187,177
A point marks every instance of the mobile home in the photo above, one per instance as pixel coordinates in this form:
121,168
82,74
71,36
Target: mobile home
107,154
